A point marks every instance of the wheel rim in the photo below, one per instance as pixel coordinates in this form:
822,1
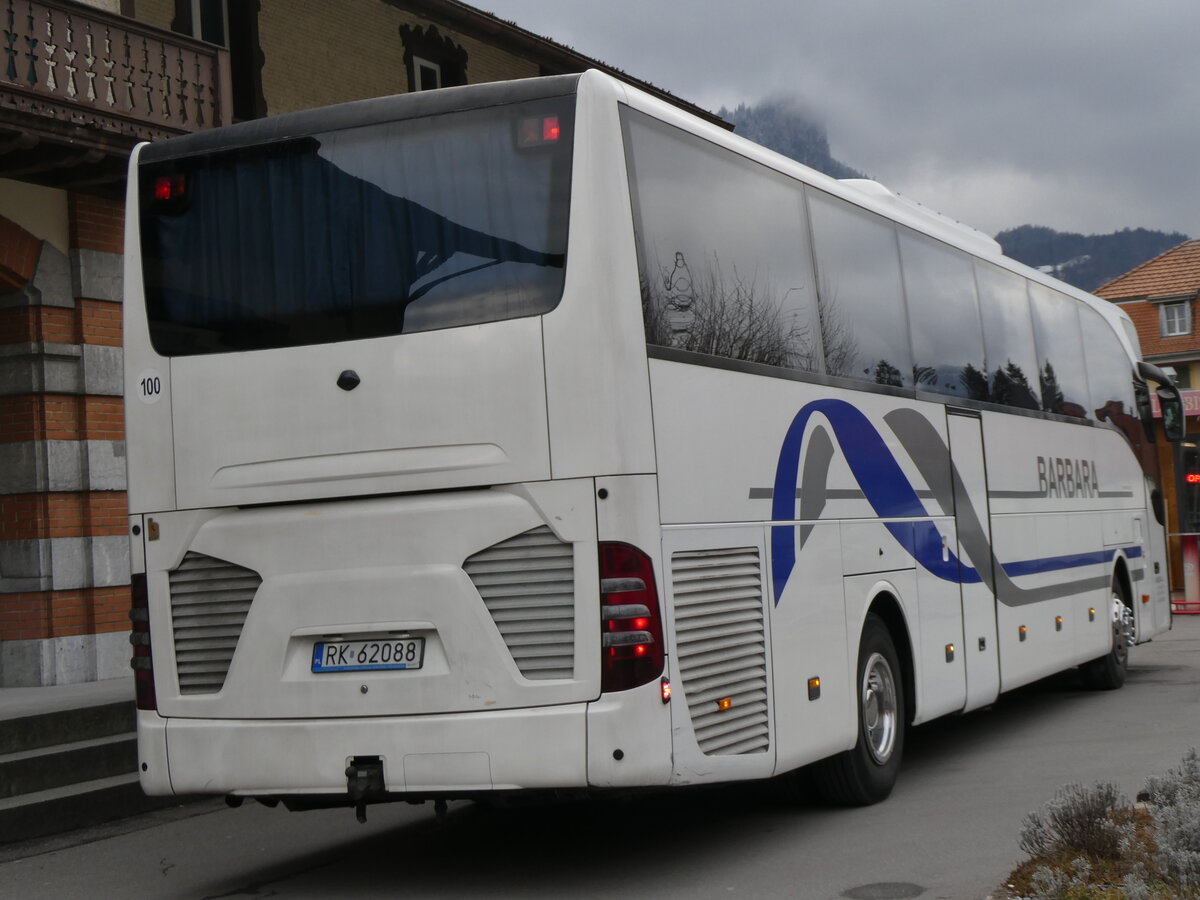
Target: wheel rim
1123,629
879,708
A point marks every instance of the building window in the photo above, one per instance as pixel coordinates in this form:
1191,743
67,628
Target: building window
1175,319
432,59
234,26
427,75
204,19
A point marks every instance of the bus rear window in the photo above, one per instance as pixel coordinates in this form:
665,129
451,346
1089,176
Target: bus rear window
386,229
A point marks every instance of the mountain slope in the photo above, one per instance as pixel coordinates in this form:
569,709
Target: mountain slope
780,126
1086,261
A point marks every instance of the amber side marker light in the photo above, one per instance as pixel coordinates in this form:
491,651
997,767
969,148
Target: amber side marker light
725,703
1145,598
1022,632
1058,620
814,688
666,691
1091,614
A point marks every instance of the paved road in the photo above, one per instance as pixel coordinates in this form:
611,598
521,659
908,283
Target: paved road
949,831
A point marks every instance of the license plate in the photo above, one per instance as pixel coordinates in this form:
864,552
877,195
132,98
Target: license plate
366,656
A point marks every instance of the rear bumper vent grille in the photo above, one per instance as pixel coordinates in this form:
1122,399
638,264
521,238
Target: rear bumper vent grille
209,602
719,630
528,585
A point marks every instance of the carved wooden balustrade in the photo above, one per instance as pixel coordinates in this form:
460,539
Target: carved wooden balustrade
74,75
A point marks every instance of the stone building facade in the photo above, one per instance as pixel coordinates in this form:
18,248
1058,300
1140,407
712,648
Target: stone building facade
80,84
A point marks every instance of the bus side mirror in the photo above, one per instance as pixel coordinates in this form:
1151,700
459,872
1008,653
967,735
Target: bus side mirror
1169,401
1172,414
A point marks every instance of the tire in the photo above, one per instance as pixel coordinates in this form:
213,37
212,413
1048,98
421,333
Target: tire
867,773
1107,672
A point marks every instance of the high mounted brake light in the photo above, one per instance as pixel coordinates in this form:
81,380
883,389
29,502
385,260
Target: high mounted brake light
169,187
631,623
539,130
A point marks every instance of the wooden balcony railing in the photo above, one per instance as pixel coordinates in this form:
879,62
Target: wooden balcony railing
80,66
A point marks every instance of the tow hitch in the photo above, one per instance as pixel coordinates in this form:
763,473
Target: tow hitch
364,782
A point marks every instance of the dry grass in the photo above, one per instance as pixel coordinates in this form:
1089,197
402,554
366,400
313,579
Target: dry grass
1091,844
1107,876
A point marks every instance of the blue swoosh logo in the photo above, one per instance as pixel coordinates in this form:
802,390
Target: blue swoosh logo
883,483
892,496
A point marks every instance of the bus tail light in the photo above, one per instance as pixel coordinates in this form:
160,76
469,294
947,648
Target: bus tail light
631,638
538,131
142,662
169,187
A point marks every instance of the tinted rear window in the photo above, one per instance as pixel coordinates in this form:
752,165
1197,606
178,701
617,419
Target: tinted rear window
385,229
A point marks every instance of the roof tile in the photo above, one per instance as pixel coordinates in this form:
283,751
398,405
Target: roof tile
1174,273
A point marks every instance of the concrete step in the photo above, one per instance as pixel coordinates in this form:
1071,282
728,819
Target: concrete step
74,806
30,771
62,726
68,759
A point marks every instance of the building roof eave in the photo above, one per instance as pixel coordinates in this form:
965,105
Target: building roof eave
544,51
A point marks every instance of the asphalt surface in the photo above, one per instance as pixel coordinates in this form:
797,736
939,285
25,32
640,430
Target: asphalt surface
950,829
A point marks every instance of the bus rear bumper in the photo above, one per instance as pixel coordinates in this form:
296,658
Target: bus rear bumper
503,750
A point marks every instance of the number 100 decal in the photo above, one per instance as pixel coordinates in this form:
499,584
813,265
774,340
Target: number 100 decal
149,385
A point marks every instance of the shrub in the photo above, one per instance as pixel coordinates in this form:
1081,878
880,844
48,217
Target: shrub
1078,820
1175,806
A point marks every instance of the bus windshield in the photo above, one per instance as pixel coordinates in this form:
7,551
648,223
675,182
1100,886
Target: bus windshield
390,228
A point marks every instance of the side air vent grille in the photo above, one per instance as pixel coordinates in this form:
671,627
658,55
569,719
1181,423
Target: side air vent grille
719,625
209,602
528,586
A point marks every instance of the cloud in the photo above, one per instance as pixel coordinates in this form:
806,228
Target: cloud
1077,114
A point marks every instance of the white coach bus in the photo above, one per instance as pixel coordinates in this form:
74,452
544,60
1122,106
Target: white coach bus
539,436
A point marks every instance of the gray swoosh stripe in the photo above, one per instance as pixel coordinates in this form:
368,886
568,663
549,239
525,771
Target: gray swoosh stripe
931,456
829,494
1055,591
927,450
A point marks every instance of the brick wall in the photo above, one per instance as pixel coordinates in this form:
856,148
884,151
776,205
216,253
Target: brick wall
315,58
18,255
61,526
159,13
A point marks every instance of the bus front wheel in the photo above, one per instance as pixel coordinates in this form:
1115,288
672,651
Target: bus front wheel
867,773
1107,673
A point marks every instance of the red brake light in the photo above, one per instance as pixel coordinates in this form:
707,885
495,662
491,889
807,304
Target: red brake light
169,187
632,641
142,662
534,132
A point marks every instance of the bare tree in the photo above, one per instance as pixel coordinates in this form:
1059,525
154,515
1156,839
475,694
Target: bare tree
724,314
837,333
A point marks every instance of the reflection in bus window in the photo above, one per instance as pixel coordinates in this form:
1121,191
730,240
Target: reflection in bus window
1007,337
1062,376
724,271
944,316
863,323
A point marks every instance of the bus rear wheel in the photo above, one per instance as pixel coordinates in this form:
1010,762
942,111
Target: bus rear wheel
867,773
1107,673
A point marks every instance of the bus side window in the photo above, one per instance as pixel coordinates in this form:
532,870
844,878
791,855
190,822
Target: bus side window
943,313
864,326
722,250
1062,375
1007,337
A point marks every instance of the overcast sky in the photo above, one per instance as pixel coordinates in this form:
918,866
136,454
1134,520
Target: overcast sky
1083,115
